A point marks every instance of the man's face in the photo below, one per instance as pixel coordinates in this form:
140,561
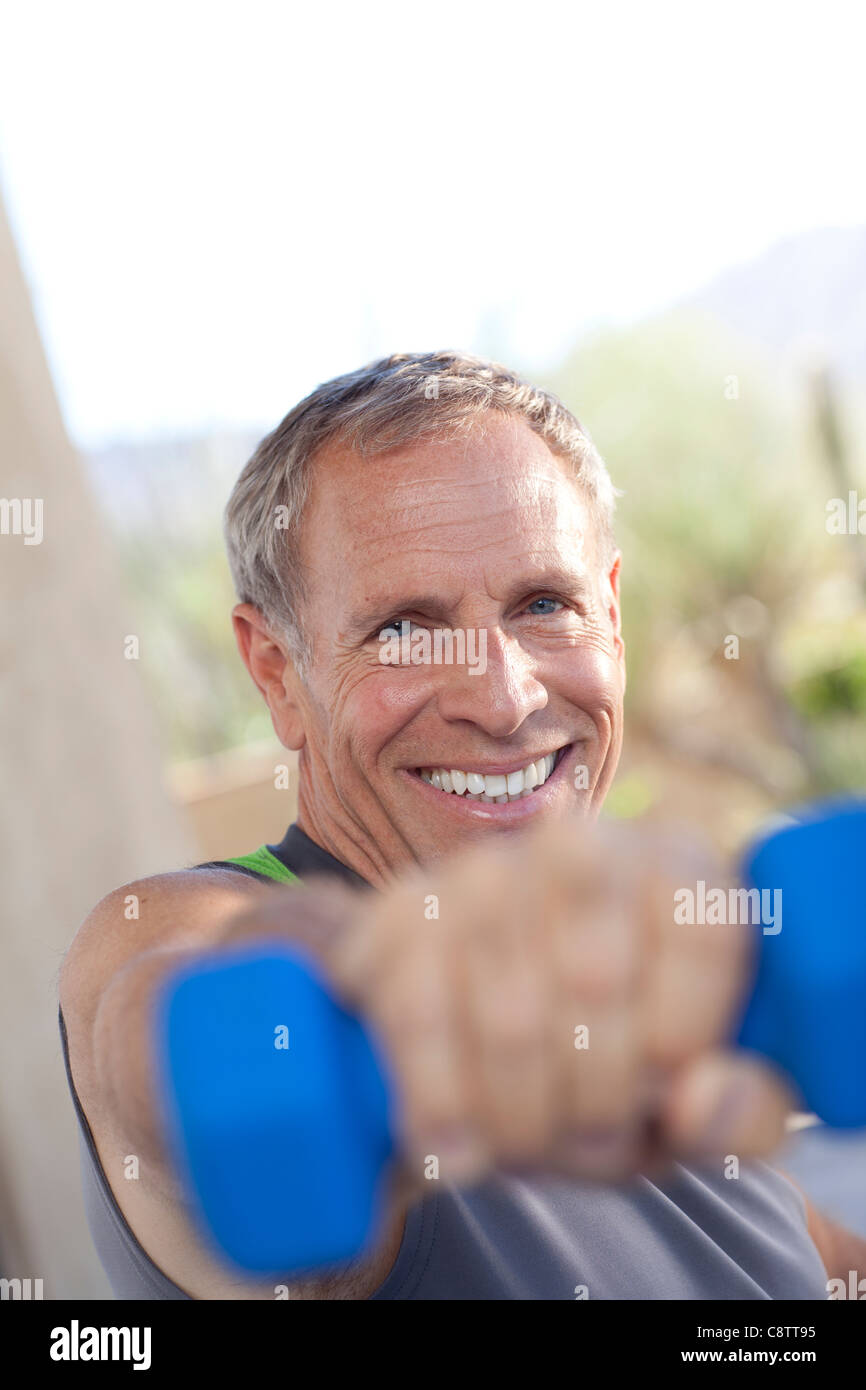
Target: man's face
487,535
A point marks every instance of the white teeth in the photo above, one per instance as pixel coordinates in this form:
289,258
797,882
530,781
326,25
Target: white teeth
497,787
514,783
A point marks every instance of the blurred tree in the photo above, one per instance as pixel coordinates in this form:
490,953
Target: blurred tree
728,571
207,701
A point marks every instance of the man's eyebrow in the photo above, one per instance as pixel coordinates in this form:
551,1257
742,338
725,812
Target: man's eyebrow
570,582
366,620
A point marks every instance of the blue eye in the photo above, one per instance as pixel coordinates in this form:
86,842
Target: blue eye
399,628
543,600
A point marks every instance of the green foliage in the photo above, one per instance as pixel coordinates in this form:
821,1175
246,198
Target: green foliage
629,797
722,514
203,693
839,690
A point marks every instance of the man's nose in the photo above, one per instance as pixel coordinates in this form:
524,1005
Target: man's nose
498,693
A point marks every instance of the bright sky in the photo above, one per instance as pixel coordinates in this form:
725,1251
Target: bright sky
220,204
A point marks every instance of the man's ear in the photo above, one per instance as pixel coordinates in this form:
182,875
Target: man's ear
268,661
614,610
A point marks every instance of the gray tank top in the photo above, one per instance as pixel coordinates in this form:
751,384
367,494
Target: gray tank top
693,1235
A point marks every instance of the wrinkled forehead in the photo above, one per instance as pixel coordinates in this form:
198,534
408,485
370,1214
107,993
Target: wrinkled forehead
476,507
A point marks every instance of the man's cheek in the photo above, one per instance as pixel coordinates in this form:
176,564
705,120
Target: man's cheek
390,700
595,682
374,715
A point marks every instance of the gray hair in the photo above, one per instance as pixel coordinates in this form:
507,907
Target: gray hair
403,399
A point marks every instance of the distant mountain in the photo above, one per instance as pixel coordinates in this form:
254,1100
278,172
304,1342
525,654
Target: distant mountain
804,297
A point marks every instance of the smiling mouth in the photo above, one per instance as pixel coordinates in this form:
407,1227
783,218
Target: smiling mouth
499,787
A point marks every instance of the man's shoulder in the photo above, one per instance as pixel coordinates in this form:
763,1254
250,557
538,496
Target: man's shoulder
179,910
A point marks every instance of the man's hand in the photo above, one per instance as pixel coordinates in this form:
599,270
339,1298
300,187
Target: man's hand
554,1015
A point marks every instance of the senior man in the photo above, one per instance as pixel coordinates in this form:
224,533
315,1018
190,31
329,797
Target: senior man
458,890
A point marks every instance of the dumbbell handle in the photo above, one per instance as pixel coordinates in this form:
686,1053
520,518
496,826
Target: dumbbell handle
277,1101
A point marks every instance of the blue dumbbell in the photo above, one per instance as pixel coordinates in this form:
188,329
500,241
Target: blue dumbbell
277,1107
280,1115
807,1009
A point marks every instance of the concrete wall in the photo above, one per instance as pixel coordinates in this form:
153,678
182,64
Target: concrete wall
83,808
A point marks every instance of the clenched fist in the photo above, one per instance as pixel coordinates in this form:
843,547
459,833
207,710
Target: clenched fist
539,1007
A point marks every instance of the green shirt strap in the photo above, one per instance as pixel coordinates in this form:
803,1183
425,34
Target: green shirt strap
261,861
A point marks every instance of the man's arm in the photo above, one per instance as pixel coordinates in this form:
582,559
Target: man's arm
477,1017
108,987
181,927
